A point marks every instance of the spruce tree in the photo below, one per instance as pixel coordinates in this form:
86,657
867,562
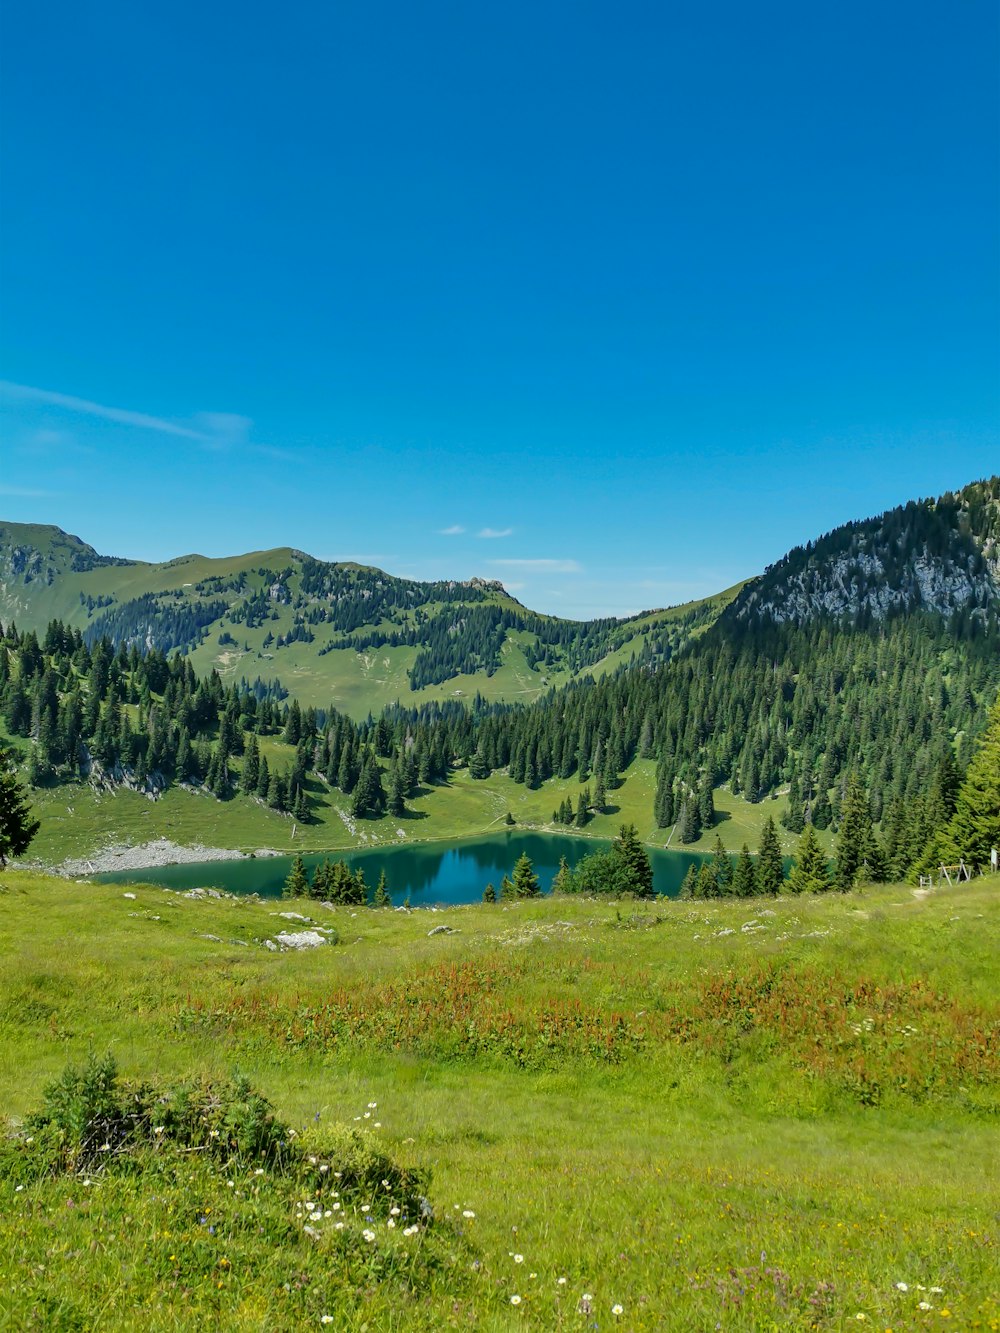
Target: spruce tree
810,873
855,827
525,880
489,894
974,828
744,875
722,868
17,828
382,898
636,871
770,868
561,881
689,885
297,883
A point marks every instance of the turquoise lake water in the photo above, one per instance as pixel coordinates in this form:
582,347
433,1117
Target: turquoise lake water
430,874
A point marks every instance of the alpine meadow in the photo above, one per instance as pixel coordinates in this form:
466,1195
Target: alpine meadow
499,668
577,1099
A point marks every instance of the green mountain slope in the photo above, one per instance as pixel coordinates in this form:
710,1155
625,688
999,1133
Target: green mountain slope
340,634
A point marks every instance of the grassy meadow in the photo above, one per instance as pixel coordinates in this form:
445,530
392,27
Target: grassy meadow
77,819
735,1115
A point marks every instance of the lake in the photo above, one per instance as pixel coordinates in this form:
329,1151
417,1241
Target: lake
430,874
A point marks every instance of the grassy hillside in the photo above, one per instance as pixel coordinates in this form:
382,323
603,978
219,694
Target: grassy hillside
78,820
46,574
669,1116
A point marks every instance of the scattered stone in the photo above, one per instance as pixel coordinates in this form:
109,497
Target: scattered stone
295,916
444,930
303,939
129,895
217,939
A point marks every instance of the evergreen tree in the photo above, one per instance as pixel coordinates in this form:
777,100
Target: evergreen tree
706,805
810,873
705,885
744,875
489,894
560,884
722,868
974,828
855,830
297,883
506,889
525,880
688,827
689,885
251,766
636,871
382,898
17,828
770,868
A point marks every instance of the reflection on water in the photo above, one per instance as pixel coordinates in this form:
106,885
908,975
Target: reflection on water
428,874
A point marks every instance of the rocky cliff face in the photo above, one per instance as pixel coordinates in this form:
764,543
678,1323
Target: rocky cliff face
934,555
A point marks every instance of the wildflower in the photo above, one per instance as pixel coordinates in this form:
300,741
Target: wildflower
368,1115
515,1300
562,1282
260,1172
860,1317
938,1291
378,1124
393,1212
411,1231
326,1319
368,1235
372,1106
391,1222
616,1310
157,1129
324,1169
901,1286
468,1213
338,1226
312,1161
925,1305
328,1213
18,1189
519,1258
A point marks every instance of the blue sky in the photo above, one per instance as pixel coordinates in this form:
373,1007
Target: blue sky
613,302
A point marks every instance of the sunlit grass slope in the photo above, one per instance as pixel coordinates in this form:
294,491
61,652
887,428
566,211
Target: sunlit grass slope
726,1115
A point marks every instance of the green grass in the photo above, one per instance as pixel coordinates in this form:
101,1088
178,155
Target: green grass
761,1128
77,820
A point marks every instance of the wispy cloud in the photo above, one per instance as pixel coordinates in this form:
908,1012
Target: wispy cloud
495,532
455,530
211,430
540,566
26,493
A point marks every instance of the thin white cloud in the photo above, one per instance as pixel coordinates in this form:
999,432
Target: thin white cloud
455,530
540,566
26,493
495,532
212,430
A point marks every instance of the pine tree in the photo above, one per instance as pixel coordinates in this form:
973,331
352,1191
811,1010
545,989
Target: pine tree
636,870
525,880
489,894
744,875
297,883
855,827
722,868
770,868
974,828
689,885
706,805
810,873
705,886
382,898
251,766
506,889
688,827
17,828
561,881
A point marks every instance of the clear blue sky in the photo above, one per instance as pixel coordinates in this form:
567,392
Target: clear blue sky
647,292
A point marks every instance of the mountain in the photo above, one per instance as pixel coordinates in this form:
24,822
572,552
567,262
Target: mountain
329,633
938,555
